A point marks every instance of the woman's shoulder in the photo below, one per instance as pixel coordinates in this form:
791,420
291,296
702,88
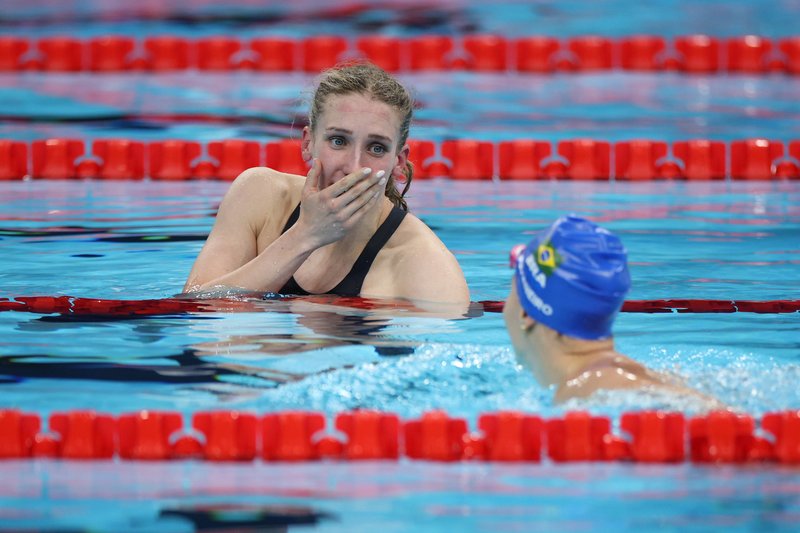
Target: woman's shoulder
414,234
261,197
422,266
260,188
264,180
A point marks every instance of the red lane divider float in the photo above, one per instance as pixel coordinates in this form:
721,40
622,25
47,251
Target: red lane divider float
459,159
68,305
691,54
506,436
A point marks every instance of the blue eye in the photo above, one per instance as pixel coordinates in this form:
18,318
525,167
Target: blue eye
336,141
378,149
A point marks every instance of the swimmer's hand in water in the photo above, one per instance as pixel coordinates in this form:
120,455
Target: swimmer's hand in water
327,215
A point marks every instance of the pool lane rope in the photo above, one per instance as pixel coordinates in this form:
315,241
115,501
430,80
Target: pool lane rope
581,159
505,436
690,54
88,307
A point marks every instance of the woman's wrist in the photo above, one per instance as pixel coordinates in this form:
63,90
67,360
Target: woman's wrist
302,240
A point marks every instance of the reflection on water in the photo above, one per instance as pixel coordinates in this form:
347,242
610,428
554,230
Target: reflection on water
417,496
328,321
246,344
245,518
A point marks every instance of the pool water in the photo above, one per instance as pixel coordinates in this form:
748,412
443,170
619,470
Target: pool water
723,240
409,496
710,240
128,240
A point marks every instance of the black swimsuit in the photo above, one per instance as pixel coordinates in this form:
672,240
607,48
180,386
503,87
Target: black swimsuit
351,284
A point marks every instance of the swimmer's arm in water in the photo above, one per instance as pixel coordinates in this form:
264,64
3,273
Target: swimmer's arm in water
230,256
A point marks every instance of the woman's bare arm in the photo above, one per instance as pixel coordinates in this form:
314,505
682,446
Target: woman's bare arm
230,257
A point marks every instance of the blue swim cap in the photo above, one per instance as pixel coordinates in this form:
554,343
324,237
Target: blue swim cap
573,277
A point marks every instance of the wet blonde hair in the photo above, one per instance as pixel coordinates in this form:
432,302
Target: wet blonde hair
365,78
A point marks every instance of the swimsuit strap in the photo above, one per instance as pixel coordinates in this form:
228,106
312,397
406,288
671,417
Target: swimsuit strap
352,282
292,219
291,286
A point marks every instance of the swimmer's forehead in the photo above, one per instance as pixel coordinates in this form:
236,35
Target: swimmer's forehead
355,114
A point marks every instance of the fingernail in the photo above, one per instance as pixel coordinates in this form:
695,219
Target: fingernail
380,174
366,171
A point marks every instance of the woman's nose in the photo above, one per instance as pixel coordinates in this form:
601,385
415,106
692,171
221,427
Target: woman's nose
354,161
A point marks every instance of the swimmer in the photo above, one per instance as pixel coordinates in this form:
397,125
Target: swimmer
344,228
569,284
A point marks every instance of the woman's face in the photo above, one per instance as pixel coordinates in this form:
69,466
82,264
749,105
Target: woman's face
352,132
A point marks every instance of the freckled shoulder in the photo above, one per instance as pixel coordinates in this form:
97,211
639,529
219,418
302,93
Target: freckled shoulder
422,266
413,233
265,198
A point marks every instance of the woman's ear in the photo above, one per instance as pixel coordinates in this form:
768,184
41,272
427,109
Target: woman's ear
526,323
400,165
306,144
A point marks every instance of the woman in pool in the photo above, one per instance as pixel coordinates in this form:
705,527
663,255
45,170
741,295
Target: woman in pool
569,284
344,228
